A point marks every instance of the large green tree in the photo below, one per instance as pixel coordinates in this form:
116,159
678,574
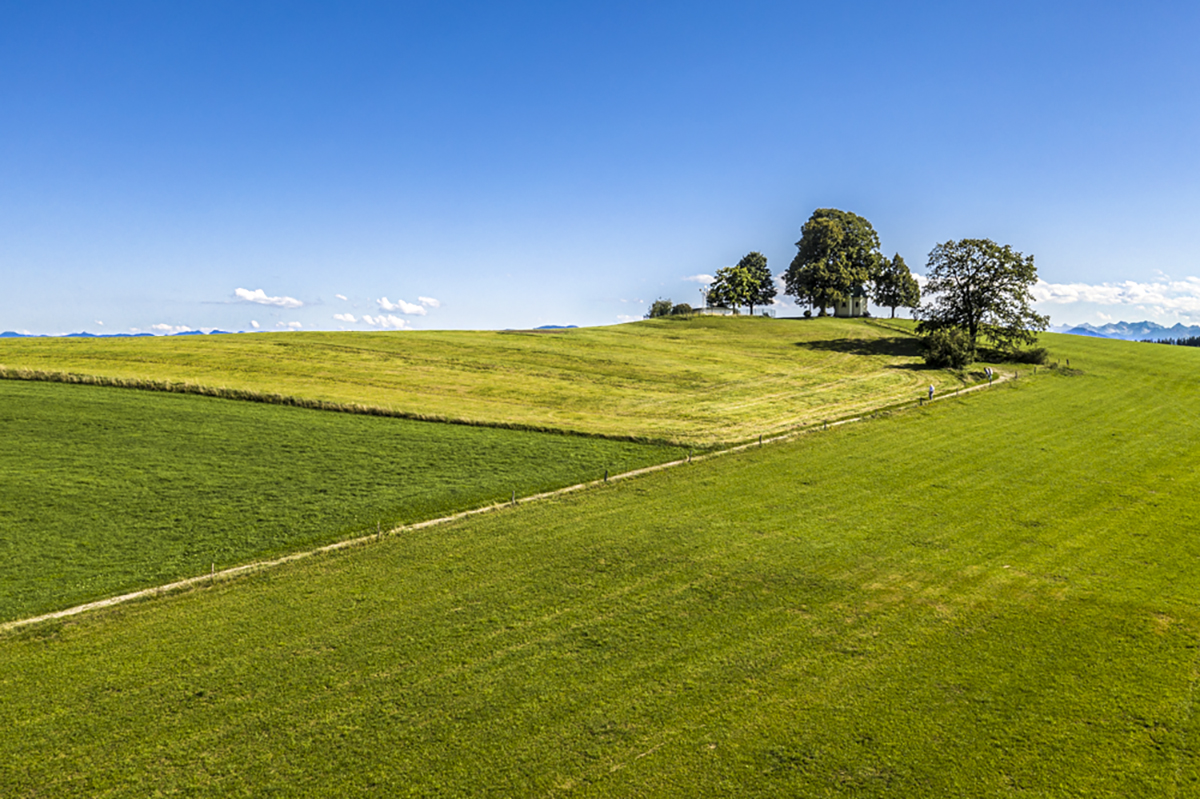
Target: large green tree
982,288
895,287
838,252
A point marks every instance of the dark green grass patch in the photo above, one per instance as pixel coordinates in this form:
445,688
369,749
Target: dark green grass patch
994,596
104,490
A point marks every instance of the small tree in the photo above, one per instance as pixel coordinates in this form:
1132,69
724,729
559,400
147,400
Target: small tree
982,288
895,287
659,307
682,309
762,289
732,286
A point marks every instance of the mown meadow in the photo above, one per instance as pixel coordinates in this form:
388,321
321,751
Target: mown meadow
694,380
103,490
997,595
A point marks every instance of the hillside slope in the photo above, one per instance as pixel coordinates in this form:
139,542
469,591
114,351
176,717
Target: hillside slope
986,597
701,380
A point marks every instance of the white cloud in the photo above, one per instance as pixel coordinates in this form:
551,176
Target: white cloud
705,279
288,325
389,321
169,329
260,296
401,306
99,322
254,324
1161,295
344,317
429,301
625,318
340,296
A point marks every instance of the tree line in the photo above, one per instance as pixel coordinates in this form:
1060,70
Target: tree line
1185,341
975,289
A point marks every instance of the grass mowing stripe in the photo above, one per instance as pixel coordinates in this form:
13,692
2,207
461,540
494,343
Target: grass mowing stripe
236,571
105,491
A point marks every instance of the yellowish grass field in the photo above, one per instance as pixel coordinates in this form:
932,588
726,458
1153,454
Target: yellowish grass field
697,381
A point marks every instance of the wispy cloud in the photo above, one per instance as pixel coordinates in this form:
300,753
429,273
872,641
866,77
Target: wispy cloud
288,325
169,329
430,302
401,306
344,317
1161,296
705,279
259,296
340,296
254,324
627,318
389,321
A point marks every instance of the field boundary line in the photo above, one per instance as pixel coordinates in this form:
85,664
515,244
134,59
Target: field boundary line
271,563
293,401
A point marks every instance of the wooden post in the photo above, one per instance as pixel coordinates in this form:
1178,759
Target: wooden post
606,475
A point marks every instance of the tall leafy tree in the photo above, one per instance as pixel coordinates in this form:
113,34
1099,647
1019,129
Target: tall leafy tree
982,288
895,287
838,252
763,289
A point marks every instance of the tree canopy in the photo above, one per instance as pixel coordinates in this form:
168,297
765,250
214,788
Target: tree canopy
895,287
838,252
982,288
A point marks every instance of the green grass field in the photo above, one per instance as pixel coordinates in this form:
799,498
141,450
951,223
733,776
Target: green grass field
103,490
699,381
993,596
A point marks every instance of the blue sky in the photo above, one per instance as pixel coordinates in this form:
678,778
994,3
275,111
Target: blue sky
169,166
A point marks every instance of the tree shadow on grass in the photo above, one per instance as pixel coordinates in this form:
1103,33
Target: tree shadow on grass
896,347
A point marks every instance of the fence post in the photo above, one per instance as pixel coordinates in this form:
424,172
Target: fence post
606,475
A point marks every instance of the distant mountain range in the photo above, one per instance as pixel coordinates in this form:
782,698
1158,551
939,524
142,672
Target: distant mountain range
11,334
1129,331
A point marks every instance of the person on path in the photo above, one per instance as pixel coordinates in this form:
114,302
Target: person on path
931,392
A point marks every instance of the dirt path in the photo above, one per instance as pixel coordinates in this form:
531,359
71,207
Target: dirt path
246,568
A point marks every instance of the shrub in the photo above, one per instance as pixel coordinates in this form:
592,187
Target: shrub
808,313
1036,355
682,308
948,347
